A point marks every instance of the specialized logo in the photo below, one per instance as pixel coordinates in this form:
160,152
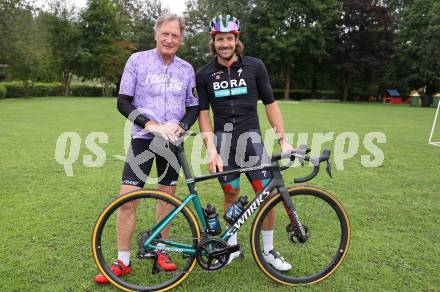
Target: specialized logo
249,211
239,71
169,249
225,88
253,168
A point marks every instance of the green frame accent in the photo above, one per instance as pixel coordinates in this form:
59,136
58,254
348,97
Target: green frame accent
199,210
177,247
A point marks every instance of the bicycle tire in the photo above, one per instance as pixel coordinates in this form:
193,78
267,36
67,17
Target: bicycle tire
298,254
103,224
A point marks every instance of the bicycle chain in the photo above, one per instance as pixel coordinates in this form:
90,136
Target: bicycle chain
200,269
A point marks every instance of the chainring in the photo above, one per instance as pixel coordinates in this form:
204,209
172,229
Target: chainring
207,246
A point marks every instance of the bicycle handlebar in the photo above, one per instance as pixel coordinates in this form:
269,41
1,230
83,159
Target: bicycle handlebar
299,153
316,163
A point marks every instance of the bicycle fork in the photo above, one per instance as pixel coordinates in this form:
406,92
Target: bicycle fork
295,229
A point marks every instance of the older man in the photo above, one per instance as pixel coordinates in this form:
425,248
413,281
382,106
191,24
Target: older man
156,94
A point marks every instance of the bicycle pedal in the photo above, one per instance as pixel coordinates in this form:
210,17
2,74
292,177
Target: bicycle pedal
235,248
241,254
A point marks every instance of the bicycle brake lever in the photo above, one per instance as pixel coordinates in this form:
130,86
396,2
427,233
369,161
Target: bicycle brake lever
329,168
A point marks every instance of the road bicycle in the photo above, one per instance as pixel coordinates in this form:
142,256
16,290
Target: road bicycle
312,229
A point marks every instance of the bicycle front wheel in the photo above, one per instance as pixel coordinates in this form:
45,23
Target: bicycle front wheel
326,224
180,236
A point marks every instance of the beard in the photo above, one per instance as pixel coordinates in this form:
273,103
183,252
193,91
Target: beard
227,58
230,57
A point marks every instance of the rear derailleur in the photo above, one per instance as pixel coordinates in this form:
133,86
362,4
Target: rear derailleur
144,253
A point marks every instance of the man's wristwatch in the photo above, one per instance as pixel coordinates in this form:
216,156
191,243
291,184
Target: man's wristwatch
184,126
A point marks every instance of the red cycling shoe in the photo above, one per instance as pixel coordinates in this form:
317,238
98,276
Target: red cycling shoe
164,261
118,268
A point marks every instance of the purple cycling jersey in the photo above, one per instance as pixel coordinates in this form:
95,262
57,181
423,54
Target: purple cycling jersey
160,92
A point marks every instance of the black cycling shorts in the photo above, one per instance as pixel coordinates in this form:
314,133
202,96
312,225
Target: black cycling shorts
239,150
139,161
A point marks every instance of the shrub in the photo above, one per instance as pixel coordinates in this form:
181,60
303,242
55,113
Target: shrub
14,89
2,91
17,89
297,94
46,89
85,90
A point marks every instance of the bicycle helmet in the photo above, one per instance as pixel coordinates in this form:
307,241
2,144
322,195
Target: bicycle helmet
225,24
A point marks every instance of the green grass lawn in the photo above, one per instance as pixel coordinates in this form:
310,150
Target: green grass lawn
46,216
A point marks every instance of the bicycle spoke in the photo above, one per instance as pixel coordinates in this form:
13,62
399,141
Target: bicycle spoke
314,258
149,212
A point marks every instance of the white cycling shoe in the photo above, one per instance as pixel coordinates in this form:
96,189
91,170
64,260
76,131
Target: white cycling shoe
276,260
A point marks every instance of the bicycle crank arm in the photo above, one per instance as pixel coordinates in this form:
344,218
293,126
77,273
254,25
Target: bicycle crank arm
225,251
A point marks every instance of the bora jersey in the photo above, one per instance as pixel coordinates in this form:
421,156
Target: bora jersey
233,92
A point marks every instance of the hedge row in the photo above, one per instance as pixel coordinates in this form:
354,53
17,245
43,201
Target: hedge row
298,94
2,91
17,90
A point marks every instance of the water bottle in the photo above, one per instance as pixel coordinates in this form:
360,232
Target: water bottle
235,210
211,216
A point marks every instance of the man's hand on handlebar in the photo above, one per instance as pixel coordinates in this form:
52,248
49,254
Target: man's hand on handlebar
174,129
169,131
286,147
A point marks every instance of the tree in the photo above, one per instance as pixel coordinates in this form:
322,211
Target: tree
417,58
104,48
292,34
8,12
198,15
25,55
364,43
64,42
141,16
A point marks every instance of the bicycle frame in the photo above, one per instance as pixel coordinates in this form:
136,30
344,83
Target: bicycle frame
277,182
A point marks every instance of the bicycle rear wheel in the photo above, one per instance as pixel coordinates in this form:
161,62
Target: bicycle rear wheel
151,205
327,224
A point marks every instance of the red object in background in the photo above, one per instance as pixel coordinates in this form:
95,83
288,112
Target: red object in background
392,96
394,100
407,101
